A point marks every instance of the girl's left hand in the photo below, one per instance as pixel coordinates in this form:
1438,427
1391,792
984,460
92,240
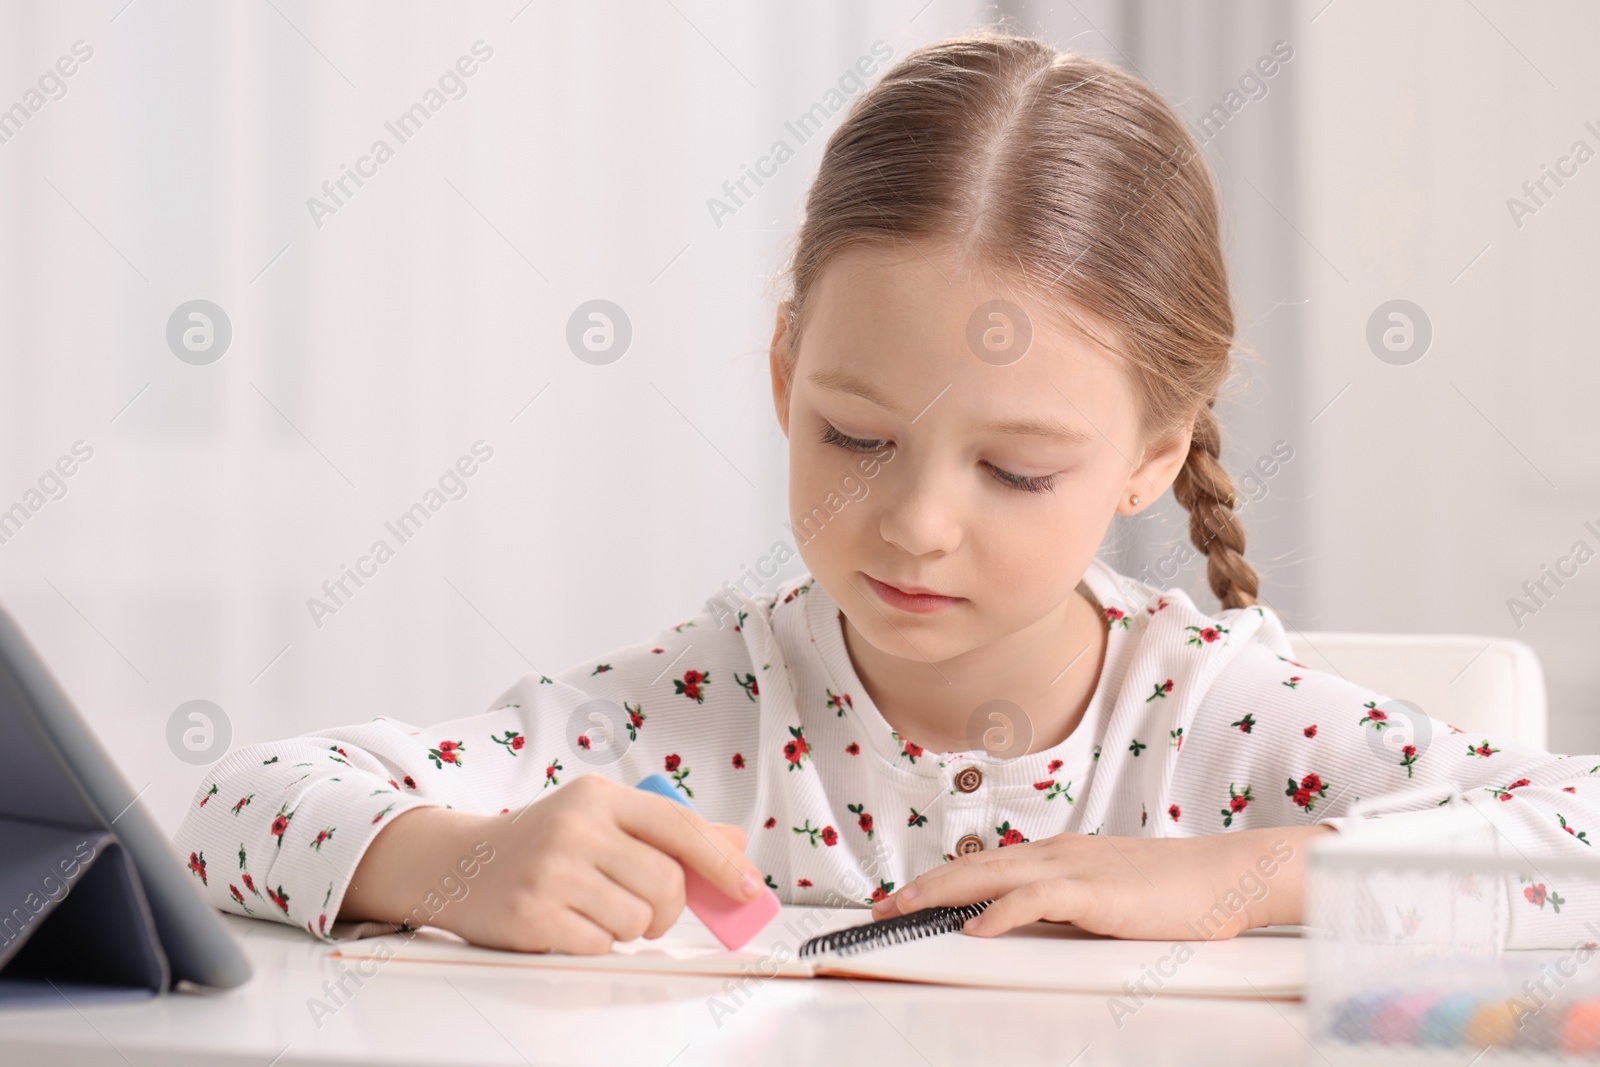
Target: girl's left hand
1144,888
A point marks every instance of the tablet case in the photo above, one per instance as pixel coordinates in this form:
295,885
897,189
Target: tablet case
78,925
95,904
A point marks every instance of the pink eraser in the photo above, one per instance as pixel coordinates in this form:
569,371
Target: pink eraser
734,922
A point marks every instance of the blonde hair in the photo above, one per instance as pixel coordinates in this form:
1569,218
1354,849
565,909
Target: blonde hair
1080,184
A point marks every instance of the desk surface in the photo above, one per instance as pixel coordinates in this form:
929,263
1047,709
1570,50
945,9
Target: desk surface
398,1013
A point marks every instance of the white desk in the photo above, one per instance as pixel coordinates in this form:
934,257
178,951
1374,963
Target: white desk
433,1014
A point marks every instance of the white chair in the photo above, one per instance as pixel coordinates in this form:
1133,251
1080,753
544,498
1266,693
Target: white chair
1493,684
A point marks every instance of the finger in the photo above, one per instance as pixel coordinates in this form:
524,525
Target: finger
732,833
609,906
577,935
1055,899
651,875
688,838
961,882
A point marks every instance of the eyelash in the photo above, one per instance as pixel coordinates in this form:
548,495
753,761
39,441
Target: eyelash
1046,484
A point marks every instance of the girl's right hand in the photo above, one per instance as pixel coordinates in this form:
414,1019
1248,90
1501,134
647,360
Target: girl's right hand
592,863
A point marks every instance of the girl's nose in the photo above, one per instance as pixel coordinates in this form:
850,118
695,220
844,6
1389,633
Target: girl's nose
921,510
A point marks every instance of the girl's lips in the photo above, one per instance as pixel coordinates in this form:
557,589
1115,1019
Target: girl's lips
921,603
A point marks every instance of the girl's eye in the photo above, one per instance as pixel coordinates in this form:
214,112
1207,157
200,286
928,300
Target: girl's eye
830,436
1044,484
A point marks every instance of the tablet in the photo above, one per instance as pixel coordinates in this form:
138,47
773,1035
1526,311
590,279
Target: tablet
57,777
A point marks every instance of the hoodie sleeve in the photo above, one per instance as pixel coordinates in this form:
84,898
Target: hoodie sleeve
276,829
1274,743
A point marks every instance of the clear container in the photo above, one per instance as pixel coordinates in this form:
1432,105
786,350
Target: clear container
1435,937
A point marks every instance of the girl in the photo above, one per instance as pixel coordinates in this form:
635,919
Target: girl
1008,323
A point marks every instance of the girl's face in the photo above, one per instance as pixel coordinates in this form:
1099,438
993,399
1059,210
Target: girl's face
918,463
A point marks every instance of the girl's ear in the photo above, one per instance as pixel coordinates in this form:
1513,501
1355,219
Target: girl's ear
779,358
1157,472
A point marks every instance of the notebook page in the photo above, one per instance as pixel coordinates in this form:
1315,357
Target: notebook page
1267,962
687,948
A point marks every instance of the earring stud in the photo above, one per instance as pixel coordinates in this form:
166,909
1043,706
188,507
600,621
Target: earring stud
1134,501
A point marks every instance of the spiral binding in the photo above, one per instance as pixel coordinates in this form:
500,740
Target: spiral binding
923,923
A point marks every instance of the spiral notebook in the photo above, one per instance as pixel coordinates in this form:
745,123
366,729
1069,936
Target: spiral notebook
924,947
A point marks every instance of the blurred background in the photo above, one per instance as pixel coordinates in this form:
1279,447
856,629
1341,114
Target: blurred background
251,362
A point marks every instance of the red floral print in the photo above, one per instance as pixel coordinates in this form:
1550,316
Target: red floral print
1375,717
1484,750
1245,724
1310,731
839,702
1173,812
1162,689
209,794
1052,789
679,773
796,750
243,801
1055,765
550,773
909,749
1294,681
636,717
1204,635
513,741
830,836
1408,757
864,819
738,761
748,684
197,864
693,685
238,897
447,752
280,823
1009,835
409,781
280,898
853,749
1116,617
1237,802
1537,895
322,835
917,819
1304,793
881,892
804,883
1581,835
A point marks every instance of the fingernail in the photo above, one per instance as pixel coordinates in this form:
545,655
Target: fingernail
750,886
909,892
972,923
